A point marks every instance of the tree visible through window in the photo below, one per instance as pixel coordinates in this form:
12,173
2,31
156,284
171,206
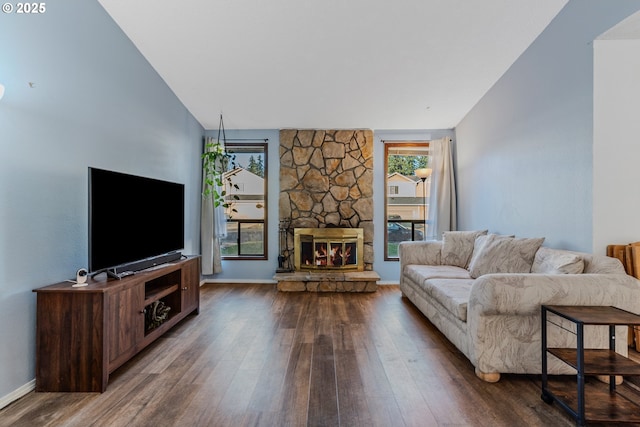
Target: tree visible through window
256,166
406,195
247,199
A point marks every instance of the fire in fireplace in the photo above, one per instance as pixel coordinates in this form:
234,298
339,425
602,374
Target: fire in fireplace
328,248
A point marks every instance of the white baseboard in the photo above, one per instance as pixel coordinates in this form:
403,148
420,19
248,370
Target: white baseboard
251,281
17,394
272,282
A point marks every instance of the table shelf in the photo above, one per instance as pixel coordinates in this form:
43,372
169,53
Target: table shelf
604,406
598,361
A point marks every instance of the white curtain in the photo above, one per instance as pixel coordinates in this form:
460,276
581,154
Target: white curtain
213,227
442,212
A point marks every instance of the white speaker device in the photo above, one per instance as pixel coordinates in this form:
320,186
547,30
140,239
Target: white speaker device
81,278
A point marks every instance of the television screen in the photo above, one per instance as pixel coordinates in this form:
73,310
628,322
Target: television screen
132,218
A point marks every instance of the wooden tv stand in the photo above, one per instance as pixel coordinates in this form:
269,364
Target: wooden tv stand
85,333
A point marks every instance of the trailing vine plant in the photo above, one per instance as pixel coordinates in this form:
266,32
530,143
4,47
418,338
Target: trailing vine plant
216,163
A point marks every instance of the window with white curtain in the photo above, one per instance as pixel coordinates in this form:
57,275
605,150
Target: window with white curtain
407,195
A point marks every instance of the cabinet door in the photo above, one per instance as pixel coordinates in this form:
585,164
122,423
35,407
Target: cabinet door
70,342
125,321
191,285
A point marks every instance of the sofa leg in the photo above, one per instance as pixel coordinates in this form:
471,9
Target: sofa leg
491,377
605,379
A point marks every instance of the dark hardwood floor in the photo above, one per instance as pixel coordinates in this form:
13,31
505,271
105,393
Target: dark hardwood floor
257,357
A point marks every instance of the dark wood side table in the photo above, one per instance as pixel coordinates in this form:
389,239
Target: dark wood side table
605,403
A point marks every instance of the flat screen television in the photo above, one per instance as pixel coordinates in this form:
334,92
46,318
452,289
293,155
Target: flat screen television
133,222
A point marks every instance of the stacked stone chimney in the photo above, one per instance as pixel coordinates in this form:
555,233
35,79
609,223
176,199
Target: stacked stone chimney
326,180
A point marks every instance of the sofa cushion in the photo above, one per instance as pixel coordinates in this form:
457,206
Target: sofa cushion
555,261
419,273
453,294
457,247
480,242
503,254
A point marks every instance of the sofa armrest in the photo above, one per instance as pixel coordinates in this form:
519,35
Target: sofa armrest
522,294
425,252
503,316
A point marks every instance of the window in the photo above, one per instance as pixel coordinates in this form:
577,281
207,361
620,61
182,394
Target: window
246,194
407,198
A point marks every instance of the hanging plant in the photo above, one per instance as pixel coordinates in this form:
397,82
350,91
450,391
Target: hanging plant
217,164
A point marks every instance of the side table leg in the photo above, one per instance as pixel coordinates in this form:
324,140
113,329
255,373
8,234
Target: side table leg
580,375
545,395
543,332
612,347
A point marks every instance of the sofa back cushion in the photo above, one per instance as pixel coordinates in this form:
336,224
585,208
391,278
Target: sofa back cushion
457,247
557,261
503,254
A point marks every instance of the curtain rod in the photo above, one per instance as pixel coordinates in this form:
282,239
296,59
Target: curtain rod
247,139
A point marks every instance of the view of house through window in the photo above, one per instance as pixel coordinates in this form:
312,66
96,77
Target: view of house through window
246,194
406,195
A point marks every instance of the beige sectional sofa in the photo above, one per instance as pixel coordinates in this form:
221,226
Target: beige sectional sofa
484,291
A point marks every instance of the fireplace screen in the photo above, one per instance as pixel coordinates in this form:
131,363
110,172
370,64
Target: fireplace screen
328,248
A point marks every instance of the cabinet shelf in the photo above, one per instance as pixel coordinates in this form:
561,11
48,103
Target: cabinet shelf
154,295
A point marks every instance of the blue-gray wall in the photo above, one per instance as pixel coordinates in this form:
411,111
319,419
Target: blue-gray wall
524,152
95,101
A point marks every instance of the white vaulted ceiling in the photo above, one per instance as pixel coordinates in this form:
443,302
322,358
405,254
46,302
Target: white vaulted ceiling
379,64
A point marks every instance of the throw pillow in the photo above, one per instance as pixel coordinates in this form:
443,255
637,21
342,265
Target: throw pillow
550,261
457,247
480,242
503,254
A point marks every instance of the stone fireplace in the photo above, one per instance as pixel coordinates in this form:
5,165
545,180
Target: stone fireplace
326,183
